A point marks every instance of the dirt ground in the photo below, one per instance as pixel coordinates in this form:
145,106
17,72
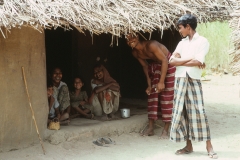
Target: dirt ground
222,103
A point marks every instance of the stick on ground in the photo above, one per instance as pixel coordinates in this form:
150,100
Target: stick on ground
30,105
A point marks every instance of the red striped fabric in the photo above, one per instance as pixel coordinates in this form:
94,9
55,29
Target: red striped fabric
160,104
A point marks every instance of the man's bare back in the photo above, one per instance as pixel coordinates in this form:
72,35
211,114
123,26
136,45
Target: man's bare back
148,47
153,50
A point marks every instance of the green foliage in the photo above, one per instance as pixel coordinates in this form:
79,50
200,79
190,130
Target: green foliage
204,73
218,35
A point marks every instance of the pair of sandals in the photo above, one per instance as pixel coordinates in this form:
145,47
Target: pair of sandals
104,141
212,155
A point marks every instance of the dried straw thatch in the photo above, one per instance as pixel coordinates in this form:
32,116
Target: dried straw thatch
107,16
235,25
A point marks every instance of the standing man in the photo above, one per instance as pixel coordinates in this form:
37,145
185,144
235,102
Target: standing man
189,120
160,79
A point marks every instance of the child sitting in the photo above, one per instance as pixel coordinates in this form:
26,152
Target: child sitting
53,104
79,100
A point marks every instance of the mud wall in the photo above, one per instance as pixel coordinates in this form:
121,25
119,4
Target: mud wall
22,47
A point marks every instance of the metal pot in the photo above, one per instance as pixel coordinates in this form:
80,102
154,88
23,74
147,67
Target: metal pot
125,113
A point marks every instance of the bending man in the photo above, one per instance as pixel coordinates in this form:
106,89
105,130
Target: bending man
160,79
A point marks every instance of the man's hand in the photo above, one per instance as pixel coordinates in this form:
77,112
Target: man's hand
177,55
148,90
202,66
160,87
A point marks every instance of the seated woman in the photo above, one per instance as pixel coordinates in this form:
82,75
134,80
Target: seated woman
105,93
54,106
60,91
79,100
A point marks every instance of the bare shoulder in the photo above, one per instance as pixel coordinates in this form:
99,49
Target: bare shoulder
154,45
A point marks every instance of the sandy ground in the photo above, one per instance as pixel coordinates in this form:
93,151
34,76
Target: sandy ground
222,103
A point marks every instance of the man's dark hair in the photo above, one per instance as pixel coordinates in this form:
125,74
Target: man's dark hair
188,19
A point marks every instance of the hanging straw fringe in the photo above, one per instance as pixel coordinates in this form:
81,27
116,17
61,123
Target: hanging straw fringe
107,16
234,23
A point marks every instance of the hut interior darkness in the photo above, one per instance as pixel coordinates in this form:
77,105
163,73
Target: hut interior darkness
76,54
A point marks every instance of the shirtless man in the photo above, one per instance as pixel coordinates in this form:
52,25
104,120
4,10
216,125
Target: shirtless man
160,80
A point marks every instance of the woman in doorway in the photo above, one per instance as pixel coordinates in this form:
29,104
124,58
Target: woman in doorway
105,93
60,90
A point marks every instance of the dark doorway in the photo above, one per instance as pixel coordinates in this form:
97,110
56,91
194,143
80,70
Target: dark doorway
76,54
59,52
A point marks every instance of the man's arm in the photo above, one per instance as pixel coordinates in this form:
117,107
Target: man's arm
176,60
156,50
200,55
198,59
192,63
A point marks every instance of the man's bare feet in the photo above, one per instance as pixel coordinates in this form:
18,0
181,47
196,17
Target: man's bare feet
185,150
148,132
164,135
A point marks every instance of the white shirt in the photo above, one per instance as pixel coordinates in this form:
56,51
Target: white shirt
197,49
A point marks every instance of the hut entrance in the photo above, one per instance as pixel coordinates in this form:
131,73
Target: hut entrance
59,51
76,54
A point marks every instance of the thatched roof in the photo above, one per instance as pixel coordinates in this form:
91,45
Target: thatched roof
107,16
235,25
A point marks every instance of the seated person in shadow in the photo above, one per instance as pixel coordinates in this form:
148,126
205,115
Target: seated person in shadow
53,106
79,100
61,92
105,93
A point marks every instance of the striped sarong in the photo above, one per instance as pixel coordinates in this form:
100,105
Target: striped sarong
160,104
189,120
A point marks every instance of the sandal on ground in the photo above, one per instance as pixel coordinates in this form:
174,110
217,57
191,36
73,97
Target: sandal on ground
104,141
107,140
212,155
98,143
183,151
